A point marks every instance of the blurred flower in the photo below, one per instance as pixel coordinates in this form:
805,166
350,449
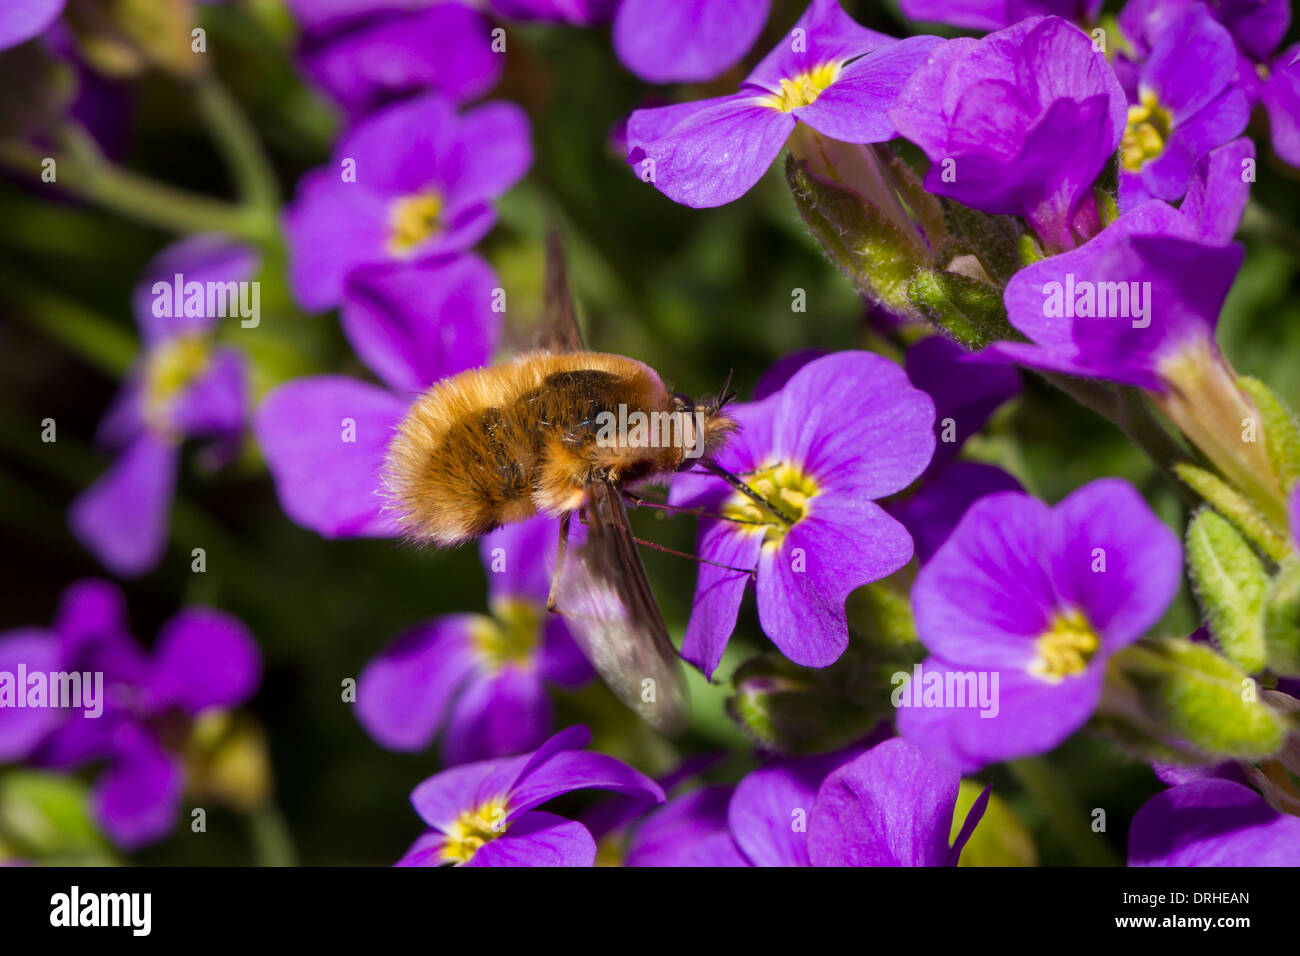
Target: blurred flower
399,51
830,73
845,430
996,14
204,661
581,13
1184,106
688,41
480,680
324,436
1041,597
1257,26
888,806
966,389
1212,823
184,386
20,20
482,814
1020,122
406,184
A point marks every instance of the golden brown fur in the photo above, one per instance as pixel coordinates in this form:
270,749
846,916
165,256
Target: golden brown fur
497,445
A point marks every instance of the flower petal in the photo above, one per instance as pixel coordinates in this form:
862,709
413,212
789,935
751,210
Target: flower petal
537,838
137,799
404,693
23,728
719,591
324,439
122,518
204,658
415,324
498,715
1212,823
205,258
686,42
713,154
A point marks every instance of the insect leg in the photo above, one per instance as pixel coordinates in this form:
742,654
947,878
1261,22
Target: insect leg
749,572
559,562
744,489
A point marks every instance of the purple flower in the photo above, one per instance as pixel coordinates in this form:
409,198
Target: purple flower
1218,193
888,806
405,185
183,386
1257,26
966,390
837,77
20,20
447,48
1185,105
845,430
203,660
1212,823
583,13
324,436
1021,121
480,679
1036,598
482,814
996,14
686,41
1142,294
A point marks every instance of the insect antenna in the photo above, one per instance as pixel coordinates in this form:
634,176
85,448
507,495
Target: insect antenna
714,468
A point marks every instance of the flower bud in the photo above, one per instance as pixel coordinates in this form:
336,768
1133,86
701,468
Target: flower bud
1231,583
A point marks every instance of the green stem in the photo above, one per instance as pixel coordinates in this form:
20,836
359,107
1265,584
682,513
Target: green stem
93,336
1071,823
141,198
239,144
272,841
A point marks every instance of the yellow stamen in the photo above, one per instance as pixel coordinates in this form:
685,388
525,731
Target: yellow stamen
169,369
473,828
1065,648
1149,126
785,488
509,637
803,89
413,220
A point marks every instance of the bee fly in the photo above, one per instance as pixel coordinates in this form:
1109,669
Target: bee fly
497,445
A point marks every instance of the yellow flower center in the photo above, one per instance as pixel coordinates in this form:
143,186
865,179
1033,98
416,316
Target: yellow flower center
1149,126
509,637
413,220
784,487
803,89
170,369
473,828
1065,648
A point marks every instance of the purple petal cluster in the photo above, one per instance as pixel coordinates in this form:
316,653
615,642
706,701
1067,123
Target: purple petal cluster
204,659
479,680
1040,597
837,77
1019,122
484,814
185,385
845,430
891,805
406,185
996,14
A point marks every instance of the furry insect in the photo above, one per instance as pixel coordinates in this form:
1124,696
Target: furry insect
498,445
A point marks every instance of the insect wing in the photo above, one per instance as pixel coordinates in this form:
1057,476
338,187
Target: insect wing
559,331
604,597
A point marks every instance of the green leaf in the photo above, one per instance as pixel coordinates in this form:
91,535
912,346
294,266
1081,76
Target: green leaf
1000,839
1231,584
1281,435
1174,700
1282,619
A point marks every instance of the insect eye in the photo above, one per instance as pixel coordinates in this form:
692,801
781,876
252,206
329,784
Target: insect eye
683,403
